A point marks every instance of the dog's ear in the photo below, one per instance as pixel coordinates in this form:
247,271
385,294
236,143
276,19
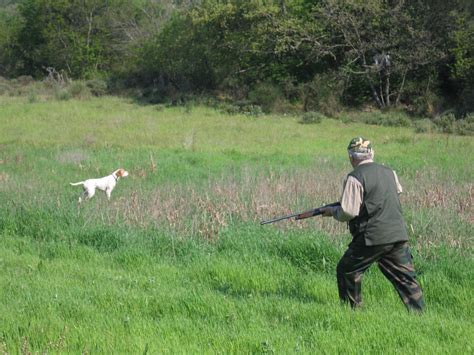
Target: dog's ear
120,172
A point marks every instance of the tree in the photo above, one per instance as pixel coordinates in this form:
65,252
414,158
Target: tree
463,68
9,26
383,41
236,44
81,38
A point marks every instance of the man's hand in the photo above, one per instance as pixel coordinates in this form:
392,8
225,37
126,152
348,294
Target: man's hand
327,211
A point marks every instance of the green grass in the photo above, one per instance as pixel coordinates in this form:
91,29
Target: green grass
177,262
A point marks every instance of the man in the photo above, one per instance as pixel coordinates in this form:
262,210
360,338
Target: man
371,206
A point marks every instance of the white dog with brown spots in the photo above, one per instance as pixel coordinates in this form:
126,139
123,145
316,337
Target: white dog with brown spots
106,184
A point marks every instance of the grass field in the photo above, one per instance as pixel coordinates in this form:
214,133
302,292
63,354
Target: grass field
177,262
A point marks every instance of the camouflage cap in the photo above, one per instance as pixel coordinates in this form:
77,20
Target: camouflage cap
359,145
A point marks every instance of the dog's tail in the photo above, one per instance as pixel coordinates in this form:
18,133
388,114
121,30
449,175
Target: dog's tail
76,183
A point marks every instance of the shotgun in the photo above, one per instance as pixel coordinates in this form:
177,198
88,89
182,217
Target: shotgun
302,215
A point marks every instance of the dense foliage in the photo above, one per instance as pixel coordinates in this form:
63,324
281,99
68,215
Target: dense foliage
277,54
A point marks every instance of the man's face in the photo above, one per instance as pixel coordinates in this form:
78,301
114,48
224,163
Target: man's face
352,160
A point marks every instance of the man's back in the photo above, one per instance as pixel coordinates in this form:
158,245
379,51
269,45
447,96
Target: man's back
380,220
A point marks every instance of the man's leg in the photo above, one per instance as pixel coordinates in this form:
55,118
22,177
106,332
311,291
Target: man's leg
355,261
397,266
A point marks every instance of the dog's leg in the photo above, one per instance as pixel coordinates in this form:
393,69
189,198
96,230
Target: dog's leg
83,197
108,192
88,194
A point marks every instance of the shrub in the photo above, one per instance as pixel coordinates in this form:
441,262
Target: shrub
424,126
465,127
265,95
396,120
427,105
322,94
251,110
445,123
330,106
241,107
32,96
25,80
4,88
62,94
391,119
374,118
228,108
78,89
467,98
346,117
97,87
311,117
286,107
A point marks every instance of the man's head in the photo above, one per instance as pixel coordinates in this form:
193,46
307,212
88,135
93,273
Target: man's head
359,149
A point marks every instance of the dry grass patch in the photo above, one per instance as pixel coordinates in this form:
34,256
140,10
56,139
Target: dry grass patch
435,209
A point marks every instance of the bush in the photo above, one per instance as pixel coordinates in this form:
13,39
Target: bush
228,108
78,89
445,123
251,110
25,80
427,105
374,118
312,117
322,94
97,87
265,95
424,126
467,99
391,119
240,107
346,117
4,88
32,96
286,107
62,94
396,120
465,127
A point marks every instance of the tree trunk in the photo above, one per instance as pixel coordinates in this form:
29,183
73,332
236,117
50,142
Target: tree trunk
381,95
374,92
401,87
283,6
371,84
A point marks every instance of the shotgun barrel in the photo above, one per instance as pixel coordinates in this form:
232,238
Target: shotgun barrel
302,215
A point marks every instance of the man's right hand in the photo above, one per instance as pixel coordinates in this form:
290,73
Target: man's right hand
327,211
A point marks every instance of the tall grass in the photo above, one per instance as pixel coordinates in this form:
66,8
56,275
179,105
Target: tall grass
177,262
205,208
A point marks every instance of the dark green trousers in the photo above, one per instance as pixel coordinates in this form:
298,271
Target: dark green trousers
395,262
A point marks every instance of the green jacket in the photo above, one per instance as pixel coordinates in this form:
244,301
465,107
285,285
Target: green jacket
380,220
